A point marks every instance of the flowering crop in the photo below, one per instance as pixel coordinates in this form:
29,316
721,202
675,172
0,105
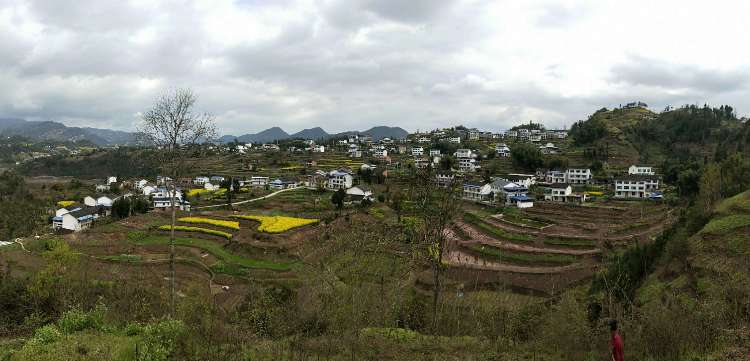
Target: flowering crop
278,224
196,191
196,229
214,222
63,204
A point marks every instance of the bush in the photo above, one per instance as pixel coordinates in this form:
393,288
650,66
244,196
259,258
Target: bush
76,320
160,340
45,335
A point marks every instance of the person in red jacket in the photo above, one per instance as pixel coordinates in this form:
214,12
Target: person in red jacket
616,343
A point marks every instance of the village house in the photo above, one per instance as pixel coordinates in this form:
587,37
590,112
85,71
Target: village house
502,150
258,181
283,183
477,192
380,153
74,219
102,188
434,152
578,175
558,192
641,170
141,183
549,148
417,151
217,179
503,190
270,147
318,149
338,180
524,180
358,194
636,186
201,180
317,180
423,140
111,180
421,163
456,140
554,176
444,178
211,187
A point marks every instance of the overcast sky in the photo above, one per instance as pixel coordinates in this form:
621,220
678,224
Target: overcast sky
352,64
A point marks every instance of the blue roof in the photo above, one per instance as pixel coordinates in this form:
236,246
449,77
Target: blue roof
58,218
521,198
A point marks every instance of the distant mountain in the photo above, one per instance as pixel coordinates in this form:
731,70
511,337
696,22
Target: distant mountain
312,133
112,136
317,133
378,133
266,136
54,131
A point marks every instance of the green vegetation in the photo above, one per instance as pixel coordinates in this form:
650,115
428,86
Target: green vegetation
524,258
496,232
570,242
216,250
208,231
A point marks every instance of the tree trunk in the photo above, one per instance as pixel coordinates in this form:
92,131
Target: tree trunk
171,254
435,293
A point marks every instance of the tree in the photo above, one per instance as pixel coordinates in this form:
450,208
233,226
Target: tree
436,207
338,198
174,129
121,208
526,156
396,204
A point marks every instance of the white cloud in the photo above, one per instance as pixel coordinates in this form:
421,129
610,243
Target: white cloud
352,64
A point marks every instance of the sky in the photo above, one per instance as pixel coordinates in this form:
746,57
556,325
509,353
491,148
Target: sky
354,64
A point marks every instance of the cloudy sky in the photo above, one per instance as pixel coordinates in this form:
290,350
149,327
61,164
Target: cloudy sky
352,64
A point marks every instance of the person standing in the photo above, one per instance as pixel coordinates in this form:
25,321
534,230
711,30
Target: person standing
616,345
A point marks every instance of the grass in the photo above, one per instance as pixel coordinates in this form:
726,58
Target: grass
208,231
524,258
81,346
216,250
571,242
132,258
496,232
726,224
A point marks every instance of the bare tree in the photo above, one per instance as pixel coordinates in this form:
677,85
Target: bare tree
436,206
175,130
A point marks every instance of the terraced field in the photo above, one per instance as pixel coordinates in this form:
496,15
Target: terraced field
549,247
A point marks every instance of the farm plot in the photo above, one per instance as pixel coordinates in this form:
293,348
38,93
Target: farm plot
549,239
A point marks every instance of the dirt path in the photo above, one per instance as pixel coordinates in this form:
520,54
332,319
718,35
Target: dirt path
481,238
248,200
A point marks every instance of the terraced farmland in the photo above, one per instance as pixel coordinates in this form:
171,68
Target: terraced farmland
550,247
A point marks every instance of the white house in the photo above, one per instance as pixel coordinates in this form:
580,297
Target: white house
319,148
640,170
89,201
102,188
147,190
210,186
554,176
578,175
456,140
504,189
558,192
141,183
417,151
502,150
522,201
201,180
357,195
434,152
463,153
380,153
549,148
164,203
444,178
636,186
75,220
423,140
338,179
111,180
477,192
104,201
525,180
258,181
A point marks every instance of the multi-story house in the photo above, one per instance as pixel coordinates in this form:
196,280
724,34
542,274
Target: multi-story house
558,192
502,150
636,186
338,179
417,151
578,176
477,192
641,170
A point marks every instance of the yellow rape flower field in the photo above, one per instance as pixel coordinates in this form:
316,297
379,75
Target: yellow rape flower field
214,222
64,204
196,191
278,224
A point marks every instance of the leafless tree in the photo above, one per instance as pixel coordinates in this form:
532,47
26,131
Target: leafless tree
174,129
436,206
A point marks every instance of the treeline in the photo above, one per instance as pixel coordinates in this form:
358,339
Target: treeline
21,212
124,162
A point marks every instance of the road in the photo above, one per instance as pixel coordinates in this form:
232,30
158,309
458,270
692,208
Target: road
248,200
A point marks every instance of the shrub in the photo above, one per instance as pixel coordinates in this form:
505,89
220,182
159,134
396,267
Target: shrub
214,222
212,232
45,335
160,340
76,320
